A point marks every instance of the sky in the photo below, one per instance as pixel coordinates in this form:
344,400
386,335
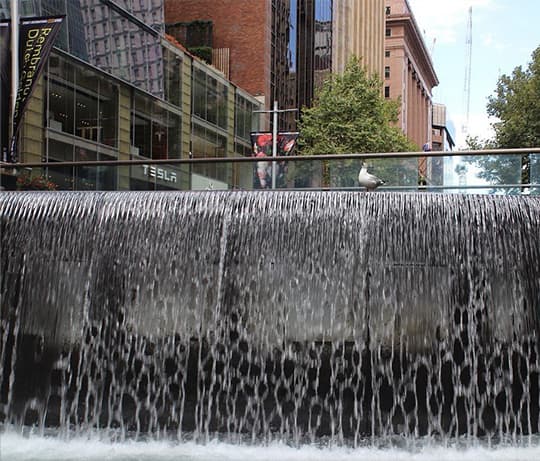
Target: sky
504,35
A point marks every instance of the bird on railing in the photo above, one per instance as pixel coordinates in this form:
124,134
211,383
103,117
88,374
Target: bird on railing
368,180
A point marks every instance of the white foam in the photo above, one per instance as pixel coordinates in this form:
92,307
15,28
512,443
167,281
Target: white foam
15,447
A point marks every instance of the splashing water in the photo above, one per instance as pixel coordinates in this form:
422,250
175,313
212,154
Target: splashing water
260,318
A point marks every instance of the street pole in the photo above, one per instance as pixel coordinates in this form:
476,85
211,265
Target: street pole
274,142
275,111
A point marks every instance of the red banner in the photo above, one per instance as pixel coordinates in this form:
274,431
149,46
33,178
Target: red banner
262,143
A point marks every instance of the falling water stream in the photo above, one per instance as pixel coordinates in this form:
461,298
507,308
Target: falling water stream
294,321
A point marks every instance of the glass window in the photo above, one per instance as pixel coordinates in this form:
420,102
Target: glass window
174,135
198,91
211,101
222,103
85,177
208,143
108,113
61,80
60,152
173,78
209,98
155,131
60,109
159,133
86,116
245,119
141,135
106,175
86,105
81,103
323,35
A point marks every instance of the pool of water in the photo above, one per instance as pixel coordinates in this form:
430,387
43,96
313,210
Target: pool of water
32,447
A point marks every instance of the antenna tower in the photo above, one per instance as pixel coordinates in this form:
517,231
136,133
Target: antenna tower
468,64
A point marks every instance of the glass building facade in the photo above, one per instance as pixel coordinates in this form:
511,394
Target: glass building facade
116,88
302,52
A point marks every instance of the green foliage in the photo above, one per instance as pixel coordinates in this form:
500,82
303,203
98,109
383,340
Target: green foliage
203,52
516,105
350,115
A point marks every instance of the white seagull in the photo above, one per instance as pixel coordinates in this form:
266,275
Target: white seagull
367,180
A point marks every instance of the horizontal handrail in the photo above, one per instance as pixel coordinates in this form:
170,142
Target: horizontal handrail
292,158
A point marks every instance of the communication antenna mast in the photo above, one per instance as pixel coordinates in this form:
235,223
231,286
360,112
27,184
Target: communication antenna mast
468,64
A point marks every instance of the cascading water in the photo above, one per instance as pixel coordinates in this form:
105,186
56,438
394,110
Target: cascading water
299,317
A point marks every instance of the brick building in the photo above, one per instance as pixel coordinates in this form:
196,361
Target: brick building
408,72
280,50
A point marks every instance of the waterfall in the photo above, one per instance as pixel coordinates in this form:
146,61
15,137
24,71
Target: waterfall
264,316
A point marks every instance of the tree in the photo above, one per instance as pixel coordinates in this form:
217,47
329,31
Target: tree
516,105
350,115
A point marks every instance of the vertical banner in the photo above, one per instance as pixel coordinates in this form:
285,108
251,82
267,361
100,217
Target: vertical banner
262,148
35,43
5,92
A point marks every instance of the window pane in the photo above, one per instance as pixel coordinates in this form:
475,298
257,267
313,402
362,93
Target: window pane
85,176
174,135
106,175
58,152
173,76
199,93
222,104
108,113
60,116
212,101
159,133
86,119
141,130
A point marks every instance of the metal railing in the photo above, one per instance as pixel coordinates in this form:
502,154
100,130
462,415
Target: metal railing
514,171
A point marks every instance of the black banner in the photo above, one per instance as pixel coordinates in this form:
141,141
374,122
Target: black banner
5,63
36,39
262,147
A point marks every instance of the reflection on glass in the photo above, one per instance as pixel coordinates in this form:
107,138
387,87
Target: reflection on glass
155,130
209,98
174,135
173,77
107,175
86,105
292,36
108,112
535,173
96,33
208,143
159,133
60,116
81,103
399,174
85,176
148,11
245,121
323,35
